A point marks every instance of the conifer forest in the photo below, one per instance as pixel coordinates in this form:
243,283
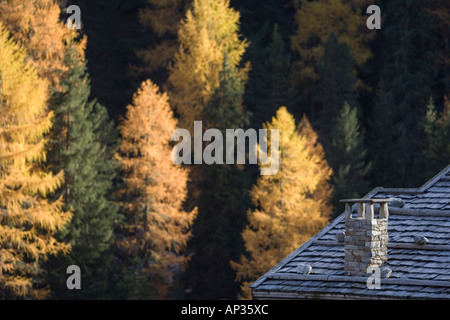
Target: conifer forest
115,126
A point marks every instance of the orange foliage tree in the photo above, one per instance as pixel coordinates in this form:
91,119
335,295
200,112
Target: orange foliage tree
157,225
28,218
287,212
37,27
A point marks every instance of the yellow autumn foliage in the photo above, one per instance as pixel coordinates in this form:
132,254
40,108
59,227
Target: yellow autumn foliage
209,32
156,188
287,212
28,218
36,26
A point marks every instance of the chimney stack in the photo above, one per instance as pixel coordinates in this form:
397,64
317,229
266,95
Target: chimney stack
366,237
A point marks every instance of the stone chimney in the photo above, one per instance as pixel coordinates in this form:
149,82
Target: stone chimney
366,237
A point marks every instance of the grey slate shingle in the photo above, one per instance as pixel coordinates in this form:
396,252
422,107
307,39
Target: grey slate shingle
418,272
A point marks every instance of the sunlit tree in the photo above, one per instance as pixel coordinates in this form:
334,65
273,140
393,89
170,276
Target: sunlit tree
206,82
29,218
208,34
36,25
324,191
286,212
157,227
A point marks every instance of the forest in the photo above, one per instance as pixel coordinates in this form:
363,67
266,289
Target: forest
87,117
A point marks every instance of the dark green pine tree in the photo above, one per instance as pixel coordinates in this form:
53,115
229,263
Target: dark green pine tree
222,204
444,122
435,141
381,135
349,160
269,86
82,143
336,85
225,109
217,233
408,72
431,140
259,14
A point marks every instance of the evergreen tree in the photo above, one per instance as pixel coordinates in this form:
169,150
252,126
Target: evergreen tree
336,83
430,141
206,82
381,124
315,21
286,213
260,16
349,157
444,123
29,218
269,83
440,11
157,227
225,109
82,143
408,74
221,202
435,142
217,233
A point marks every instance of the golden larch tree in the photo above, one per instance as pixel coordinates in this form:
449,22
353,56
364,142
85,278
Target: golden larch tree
208,35
324,192
36,26
157,225
287,212
28,218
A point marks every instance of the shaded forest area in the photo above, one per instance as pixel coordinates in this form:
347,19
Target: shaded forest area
410,52
87,116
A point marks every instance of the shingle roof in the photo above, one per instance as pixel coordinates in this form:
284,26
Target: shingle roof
418,271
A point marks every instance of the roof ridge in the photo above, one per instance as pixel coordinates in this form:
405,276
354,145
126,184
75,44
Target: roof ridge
435,179
402,250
